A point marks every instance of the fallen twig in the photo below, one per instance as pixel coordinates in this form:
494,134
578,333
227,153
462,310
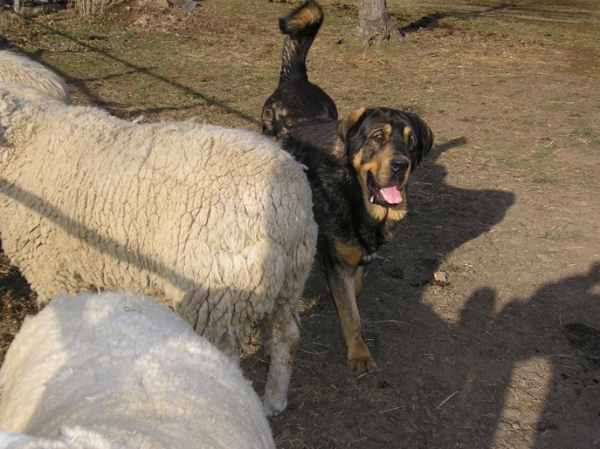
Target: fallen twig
446,400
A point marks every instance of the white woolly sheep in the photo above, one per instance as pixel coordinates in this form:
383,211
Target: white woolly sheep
19,69
215,222
120,370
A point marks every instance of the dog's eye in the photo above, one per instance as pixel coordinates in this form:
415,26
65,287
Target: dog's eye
377,136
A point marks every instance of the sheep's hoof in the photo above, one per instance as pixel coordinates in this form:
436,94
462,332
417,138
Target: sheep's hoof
272,409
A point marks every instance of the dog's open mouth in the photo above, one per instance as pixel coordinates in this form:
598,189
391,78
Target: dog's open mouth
384,196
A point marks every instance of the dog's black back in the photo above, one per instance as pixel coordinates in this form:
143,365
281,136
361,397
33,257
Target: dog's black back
285,109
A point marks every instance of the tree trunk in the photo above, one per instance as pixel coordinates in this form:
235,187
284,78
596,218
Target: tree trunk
374,22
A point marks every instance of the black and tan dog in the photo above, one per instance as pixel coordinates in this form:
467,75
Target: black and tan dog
358,168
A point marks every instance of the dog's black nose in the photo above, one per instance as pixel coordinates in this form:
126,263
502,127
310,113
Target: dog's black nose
400,166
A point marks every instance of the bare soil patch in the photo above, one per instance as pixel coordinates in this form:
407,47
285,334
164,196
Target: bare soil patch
505,353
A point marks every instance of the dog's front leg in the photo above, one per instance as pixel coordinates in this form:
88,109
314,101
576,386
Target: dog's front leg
341,282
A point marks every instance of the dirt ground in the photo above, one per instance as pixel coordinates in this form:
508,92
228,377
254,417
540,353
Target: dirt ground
505,353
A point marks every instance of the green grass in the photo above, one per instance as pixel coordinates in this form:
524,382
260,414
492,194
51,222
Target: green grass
543,152
212,41
129,35
584,132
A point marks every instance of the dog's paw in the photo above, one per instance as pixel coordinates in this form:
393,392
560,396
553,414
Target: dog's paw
362,365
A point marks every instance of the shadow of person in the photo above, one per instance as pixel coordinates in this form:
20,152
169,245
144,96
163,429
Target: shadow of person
554,340
522,375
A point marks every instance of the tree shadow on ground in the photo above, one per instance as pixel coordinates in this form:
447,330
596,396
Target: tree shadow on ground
430,19
129,69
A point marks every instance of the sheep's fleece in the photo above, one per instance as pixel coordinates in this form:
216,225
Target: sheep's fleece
215,222
30,93
120,370
21,70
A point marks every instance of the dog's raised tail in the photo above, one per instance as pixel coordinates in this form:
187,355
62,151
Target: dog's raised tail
300,28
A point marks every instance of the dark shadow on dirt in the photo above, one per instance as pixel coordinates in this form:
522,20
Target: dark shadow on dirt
498,345
560,323
532,10
429,19
14,302
133,69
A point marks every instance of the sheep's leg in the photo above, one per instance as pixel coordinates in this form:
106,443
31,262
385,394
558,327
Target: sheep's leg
282,335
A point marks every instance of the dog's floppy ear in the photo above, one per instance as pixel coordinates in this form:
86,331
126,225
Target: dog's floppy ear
348,122
424,137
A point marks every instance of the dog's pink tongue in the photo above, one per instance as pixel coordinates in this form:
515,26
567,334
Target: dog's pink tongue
391,194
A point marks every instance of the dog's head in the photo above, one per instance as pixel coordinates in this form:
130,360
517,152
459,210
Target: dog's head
384,146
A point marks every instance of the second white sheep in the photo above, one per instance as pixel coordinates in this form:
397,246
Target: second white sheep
23,74
121,371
